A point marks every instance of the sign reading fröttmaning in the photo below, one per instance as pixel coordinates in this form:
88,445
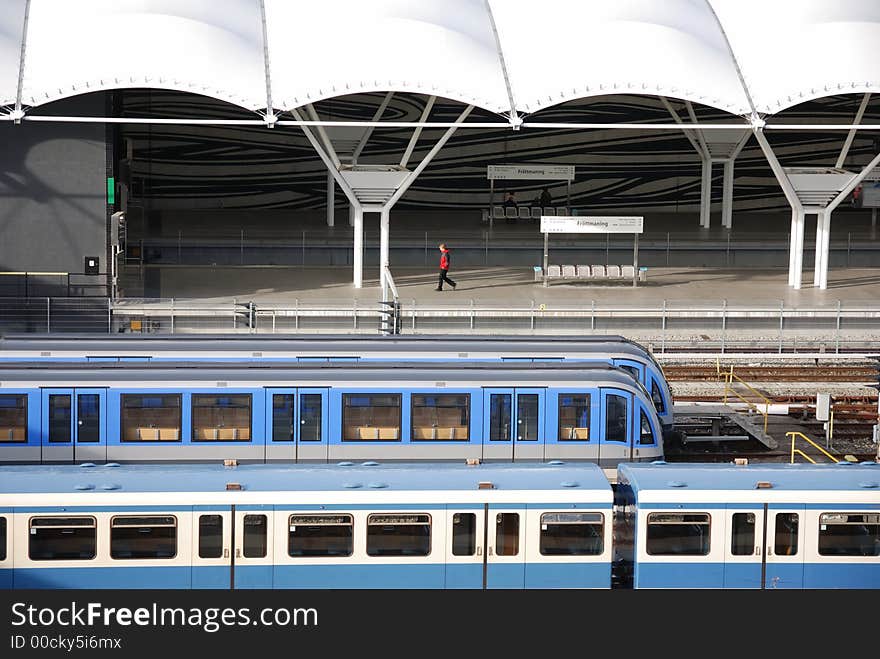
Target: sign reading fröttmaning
587,224
550,172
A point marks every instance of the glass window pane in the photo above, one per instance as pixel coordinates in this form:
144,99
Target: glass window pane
527,417
282,417
310,413
632,370
59,418
499,417
742,541
678,534
403,534
2,538
615,418
849,534
210,536
143,537
371,417
225,418
574,417
646,433
464,534
62,539
507,534
254,536
440,416
572,534
13,418
88,418
320,535
786,540
657,397
150,417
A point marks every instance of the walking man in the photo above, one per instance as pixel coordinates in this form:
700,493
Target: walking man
444,269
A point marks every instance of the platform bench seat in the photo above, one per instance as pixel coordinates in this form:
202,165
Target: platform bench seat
591,272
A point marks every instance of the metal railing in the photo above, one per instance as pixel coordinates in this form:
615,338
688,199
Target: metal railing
794,434
729,377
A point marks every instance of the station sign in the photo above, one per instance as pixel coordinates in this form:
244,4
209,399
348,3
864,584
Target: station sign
530,172
588,224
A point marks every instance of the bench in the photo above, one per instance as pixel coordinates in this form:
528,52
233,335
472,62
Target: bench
222,434
591,273
440,432
14,434
151,434
374,433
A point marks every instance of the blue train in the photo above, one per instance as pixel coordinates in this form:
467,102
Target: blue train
611,349
455,526
324,411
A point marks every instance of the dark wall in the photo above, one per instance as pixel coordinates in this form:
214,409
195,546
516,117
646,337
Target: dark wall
53,209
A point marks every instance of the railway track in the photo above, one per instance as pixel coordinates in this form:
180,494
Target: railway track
818,374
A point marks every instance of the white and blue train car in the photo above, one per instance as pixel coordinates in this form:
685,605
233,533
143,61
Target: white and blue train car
750,526
224,348
305,526
263,411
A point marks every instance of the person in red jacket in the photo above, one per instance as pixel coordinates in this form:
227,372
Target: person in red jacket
444,269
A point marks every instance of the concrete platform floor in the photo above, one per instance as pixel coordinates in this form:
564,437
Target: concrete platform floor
515,286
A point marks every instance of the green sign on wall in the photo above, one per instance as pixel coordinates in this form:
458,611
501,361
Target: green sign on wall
111,190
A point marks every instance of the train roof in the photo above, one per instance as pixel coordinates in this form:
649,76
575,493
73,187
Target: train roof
346,476
666,478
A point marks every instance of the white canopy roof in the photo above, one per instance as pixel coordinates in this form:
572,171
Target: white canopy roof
501,55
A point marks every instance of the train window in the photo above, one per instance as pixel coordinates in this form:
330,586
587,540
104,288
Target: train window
310,417
320,535
13,418
254,536
849,534
398,534
615,418
572,534
646,433
371,417
657,397
632,370
133,538
742,538
507,534
499,417
464,534
282,417
527,417
210,536
150,417
2,538
62,538
678,534
786,541
574,416
441,417
225,418
59,418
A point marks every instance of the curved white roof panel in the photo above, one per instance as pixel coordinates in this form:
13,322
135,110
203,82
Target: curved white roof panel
559,50
335,47
494,54
198,46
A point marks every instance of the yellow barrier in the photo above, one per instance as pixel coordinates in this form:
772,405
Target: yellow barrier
729,377
794,434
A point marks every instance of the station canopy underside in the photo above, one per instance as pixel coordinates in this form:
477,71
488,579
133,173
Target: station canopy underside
750,58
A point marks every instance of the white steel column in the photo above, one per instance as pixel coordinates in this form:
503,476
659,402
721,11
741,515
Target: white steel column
823,242
727,197
358,260
331,200
792,246
796,276
706,192
384,240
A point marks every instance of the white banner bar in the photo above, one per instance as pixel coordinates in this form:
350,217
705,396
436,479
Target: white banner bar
531,172
586,224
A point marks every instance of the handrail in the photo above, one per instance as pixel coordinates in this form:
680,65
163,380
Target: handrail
801,453
794,434
728,386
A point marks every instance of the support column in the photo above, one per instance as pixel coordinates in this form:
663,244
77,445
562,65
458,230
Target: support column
384,236
823,243
351,215
706,193
358,261
727,197
331,199
792,246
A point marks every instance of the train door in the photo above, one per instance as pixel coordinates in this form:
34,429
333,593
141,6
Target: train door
616,412
466,547
784,558
74,425
505,547
513,419
6,554
297,422
212,547
744,543
252,554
